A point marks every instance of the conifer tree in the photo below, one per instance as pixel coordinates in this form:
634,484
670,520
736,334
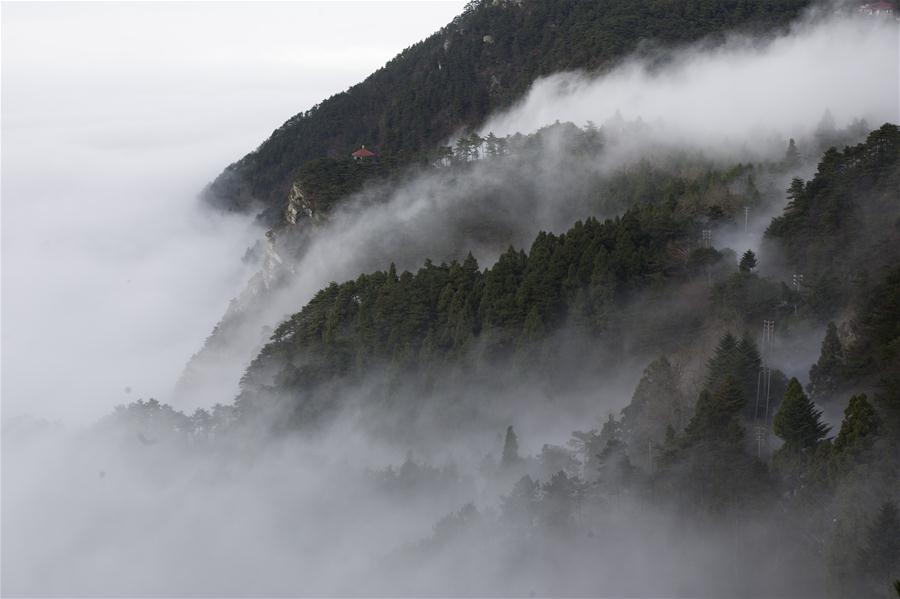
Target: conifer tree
748,261
510,448
610,431
721,365
792,155
824,376
655,405
715,415
798,422
710,467
859,427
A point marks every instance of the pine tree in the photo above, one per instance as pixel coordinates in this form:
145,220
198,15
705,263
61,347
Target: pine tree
510,448
588,446
655,405
715,415
559,500
709,466
798,422
721,365
825,374
748,261
792,155
491,148
859,427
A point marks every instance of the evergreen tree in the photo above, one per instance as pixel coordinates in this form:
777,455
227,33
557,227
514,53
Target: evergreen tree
722,363
491,149
559,502
859,427
655,406
588,445
610,431
708,466
748,261
510,449
825,374
798,422
614,468
792,155
715,415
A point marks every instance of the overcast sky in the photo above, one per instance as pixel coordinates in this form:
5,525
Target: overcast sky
114,115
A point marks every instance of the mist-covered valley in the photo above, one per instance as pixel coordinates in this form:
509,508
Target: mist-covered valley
631,334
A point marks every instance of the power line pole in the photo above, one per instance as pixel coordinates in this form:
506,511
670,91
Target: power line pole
796,282
746,219
764,387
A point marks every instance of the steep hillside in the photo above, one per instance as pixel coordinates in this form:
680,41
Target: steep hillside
484,60
616,283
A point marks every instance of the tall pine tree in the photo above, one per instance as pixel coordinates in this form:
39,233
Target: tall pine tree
824,376
798,422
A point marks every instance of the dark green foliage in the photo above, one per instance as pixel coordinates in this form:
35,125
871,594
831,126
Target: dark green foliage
841,224
748,261
859,427
826,373
747,297
408,321
326,180
740,361
716,415
453,79
708,466
798,422
655,406
877,347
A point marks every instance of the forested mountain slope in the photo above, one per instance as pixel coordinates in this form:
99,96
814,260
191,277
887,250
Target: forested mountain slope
587,282
484,60
439,355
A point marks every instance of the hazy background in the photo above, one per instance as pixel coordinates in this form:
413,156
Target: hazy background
114,116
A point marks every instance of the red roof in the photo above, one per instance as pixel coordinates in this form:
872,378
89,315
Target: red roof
879,6
363,153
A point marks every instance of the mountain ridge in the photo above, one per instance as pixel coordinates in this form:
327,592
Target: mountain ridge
482,61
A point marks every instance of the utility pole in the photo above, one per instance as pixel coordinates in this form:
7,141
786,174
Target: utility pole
796,282
764,387
746,219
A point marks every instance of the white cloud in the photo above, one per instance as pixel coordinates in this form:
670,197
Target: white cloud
114,116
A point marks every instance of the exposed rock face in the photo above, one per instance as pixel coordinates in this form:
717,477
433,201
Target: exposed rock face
298,206
208,377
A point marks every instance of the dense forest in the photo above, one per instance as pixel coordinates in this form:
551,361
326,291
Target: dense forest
483,61
586,360
739,437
